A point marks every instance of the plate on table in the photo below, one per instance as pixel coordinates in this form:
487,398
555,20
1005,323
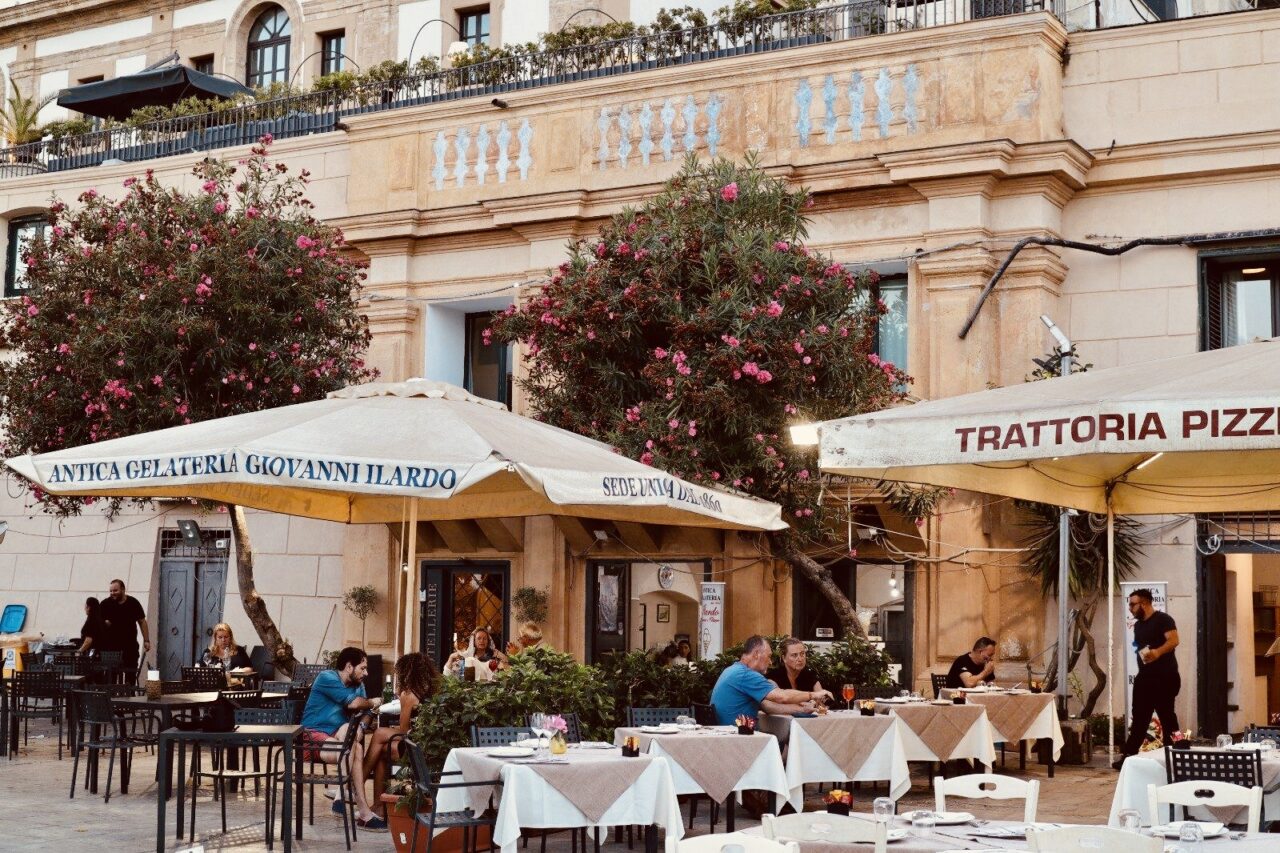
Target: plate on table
242,670
896,834
946,818
667,729
1172,830
510,752
941,702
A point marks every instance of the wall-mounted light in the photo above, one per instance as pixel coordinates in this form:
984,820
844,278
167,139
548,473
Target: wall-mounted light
893,580
499,103
804,434
190,532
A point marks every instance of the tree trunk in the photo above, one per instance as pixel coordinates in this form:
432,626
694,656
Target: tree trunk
1085,620
821,578
256,609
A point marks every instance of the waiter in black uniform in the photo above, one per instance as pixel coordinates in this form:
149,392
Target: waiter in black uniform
1156,686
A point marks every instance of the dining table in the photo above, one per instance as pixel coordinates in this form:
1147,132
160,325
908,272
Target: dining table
846,746
1018,716
591,785
942,731
1148,768
714,760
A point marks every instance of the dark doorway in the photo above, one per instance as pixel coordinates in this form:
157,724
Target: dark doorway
886,589
193,589
460,596
608,603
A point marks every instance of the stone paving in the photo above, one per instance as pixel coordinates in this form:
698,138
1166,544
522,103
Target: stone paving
36,814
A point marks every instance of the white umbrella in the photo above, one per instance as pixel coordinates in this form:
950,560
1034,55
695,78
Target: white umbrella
393,452
1193,433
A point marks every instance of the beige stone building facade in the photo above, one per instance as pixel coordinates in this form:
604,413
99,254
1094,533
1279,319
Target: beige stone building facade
930,151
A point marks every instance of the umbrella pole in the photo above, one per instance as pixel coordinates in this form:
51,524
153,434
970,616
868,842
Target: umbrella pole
1064,587
1111,629
409,577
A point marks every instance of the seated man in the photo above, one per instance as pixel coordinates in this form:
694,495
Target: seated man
334,695
975,667
743,689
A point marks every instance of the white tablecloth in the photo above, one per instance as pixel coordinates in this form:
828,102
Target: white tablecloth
1138,772
807,762
1045,725
977,743
527,800
765,774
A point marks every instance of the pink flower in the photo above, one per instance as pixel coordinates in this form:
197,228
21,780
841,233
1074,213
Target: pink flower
692,432
195,247
659,353
220,206
304,242
209,186
64,349
730,340
764,376
601,250
646,458
157,380
774,309
32,310
251,212
624,249
673,423
252,346
799,348
822,328
297,390
807,360
803,475
729,192
782,246
750,368
203,290
874,359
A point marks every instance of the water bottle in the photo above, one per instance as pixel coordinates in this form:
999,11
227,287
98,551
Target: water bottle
387,693
462,668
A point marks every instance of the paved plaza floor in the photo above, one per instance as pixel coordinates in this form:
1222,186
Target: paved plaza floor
36,814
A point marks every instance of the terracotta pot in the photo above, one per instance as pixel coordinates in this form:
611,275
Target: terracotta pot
400,824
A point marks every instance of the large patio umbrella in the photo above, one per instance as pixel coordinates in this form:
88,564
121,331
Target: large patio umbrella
392,452
1193,433
118,97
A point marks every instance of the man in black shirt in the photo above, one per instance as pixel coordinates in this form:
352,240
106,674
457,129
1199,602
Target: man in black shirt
970,670
1157,683
122,616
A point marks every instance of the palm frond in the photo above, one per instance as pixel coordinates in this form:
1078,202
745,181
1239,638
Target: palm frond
1088,551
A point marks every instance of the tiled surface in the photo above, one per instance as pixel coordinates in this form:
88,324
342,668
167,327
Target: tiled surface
35,813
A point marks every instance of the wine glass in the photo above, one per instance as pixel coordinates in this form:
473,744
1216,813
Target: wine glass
538,722
848,693
1130,820
1223,741
1191,837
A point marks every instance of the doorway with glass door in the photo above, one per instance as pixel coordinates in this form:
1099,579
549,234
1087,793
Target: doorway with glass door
459,597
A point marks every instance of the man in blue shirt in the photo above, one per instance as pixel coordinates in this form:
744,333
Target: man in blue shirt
743,689
334,695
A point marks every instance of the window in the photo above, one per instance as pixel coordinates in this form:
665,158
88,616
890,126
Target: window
1240,299
269,49
474,26
21,233
97,78
486,370
891,331
203,64
332,46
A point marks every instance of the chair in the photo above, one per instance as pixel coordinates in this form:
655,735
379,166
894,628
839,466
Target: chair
305,673
32,661
750,843
70,664
241,696
1243,768
705,714
838,830
1091,839
97,714
498,735
203,679
222,771
260,660
31,689
988,786
1204,792
656,716
939,680
107,664
574,733
427,787
276,686
339,754
1257,734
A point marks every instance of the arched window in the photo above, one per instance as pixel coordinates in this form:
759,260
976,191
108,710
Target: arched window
269,49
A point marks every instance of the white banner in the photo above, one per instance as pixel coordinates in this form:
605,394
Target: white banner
711,620
1159,600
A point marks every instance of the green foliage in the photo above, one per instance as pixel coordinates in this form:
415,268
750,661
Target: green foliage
20,117
1098,728
553,682
244,301
361,601
1088,551
531,604
66,127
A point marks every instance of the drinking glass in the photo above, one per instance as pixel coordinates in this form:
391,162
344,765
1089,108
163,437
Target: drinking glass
538,722
915,696
1268,745
1191,837
1130,820
903,694
848,693
1224,741
883,808
923,822
684,721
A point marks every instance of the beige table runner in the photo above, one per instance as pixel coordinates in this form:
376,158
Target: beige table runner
1012,715
716,761
940,727
1228,814
847,740
478,767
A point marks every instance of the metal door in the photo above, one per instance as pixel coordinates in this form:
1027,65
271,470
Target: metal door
177,596
211,591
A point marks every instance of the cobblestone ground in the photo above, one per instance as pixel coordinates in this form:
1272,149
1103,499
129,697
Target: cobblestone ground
36,814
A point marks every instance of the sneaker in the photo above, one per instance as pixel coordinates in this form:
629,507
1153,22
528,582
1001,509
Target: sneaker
339,807
329,793
373,824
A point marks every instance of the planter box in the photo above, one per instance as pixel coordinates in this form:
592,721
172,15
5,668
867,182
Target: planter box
400,825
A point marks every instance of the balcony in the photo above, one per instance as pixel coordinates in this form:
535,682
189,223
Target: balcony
323,112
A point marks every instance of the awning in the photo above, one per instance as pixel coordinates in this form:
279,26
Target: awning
119,97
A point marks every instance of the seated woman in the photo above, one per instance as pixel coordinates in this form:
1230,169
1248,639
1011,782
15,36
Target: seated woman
416,681
481,649
794,672
223,653
530,638
92,630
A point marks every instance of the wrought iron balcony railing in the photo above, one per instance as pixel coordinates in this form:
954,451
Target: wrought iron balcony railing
320,112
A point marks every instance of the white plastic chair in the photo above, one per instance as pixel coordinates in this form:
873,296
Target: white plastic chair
988,786
750,843
1204,792
1092,839
837,829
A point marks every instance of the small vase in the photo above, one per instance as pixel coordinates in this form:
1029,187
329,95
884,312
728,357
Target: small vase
867,712
746,730
838,808
558,745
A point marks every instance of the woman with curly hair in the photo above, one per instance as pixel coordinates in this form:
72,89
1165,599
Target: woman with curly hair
417,680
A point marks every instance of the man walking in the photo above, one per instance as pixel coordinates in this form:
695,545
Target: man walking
122,616
1156,686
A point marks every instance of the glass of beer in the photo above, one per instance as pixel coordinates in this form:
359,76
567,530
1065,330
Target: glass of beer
848,693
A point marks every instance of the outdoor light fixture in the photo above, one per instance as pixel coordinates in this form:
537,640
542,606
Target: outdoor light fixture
1145,462
893,580
1254,270
499,103
1064,343
601,535
804,435
190,532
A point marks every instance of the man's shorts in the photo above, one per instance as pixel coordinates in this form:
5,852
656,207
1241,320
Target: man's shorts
312,740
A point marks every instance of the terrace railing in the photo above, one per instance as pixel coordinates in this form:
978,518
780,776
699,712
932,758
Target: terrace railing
323,111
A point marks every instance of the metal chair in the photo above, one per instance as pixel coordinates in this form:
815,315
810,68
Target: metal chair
203,679
498,735
340,754
1242,768
574,732
32,661
939,681
106,665
427,787
1206,793
70,664
241,696
305,673
105,732
988,786
276,686
656,716
223,771
30,691
1257,734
